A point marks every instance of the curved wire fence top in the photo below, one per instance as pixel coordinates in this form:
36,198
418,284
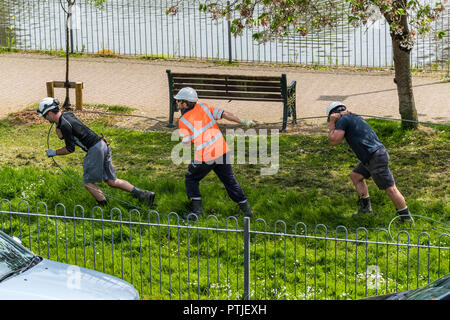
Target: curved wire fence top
143,28
258,226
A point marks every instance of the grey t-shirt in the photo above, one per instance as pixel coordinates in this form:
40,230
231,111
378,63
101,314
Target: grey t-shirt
359,135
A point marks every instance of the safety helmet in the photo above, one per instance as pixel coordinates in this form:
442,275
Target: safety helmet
46,105
333,106
188,94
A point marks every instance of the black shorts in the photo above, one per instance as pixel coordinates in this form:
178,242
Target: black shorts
378,169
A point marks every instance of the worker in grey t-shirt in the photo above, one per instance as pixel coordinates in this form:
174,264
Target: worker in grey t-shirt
373,157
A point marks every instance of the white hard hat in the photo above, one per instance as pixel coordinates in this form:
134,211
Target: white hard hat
46,105
187,94
333,105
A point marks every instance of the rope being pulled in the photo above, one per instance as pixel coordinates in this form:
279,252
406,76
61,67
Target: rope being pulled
406,120
121,115
374,117
269,123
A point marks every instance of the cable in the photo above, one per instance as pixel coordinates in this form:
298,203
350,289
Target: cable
268,123
120,114
304,118
406,120
81,182
413,215
369,116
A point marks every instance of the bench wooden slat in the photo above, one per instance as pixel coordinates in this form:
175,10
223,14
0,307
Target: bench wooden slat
225,88
261,96
225,76
192,82
246,98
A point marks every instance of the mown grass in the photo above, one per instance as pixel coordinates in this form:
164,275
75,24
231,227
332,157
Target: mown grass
312,186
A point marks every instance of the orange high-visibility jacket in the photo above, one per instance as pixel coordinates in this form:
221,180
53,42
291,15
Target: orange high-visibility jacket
199,127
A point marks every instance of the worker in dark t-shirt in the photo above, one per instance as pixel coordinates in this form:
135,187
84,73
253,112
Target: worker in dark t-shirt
373,157
97,164
75,133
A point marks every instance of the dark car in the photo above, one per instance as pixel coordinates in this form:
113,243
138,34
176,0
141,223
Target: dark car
437,290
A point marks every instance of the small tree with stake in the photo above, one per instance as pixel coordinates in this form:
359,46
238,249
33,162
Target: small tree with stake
68,12
67,6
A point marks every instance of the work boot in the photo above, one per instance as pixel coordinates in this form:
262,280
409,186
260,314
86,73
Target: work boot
196,209
405,216
246,210
103,203
364,206
149,197
143,195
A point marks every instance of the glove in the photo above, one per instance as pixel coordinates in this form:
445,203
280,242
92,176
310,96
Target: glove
50,153
247,123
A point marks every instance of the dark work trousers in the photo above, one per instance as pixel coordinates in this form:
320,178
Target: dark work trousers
223,170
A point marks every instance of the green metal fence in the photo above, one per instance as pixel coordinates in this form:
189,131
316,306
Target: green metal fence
142,28
219,258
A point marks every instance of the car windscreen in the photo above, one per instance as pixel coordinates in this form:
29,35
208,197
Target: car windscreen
12,255
439,289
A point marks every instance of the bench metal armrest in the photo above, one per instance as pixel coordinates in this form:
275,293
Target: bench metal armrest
293,84
172,104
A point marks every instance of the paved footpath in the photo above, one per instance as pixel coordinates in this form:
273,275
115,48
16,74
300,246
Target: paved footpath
143,85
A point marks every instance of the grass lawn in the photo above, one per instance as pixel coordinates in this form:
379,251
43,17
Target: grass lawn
311,186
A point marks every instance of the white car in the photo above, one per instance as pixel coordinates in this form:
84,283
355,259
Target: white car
26,276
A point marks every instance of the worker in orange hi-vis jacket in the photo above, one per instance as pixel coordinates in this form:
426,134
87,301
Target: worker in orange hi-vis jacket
198,125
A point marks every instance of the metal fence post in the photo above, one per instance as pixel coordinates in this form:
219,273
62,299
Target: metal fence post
246,258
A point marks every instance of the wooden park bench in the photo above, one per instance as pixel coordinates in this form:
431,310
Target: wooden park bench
236,87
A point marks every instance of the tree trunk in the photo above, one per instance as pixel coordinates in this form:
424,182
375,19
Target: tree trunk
403,80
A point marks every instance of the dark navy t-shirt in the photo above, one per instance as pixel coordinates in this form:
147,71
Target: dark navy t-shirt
359,135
